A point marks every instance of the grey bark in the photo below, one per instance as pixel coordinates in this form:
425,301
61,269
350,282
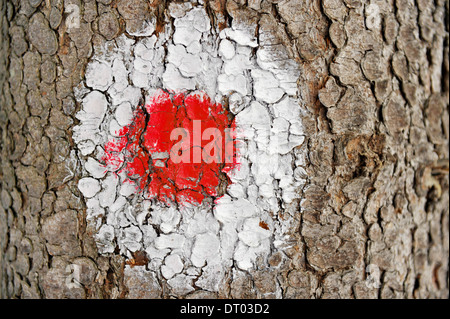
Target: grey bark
376,88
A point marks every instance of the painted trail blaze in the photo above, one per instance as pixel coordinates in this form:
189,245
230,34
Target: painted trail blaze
177,148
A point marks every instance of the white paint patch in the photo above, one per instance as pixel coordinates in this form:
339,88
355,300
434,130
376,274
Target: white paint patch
88,186
88,134
206,242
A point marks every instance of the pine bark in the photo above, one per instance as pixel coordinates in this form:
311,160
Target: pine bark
374,217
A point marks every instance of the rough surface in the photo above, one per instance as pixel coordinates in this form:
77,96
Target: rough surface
357,91
215,227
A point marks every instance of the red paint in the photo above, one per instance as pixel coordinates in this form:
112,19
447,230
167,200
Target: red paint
137,151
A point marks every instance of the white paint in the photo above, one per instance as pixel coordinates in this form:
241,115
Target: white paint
172,265
173,80
226,49
108,194
88,186
232,83
205,250
130,94
267,87
128,188
115,128
94,211
118,204
255,116
99,76
240,37
124,114
94,168
131,238
88,134
236,103
204,242
169,241
105,239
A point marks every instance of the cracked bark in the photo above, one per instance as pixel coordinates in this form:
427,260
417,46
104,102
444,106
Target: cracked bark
374,80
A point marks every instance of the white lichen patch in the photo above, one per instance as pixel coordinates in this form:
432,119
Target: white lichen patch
195,244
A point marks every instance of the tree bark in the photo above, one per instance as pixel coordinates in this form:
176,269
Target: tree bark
371,219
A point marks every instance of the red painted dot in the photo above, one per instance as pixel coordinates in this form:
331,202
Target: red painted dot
150,156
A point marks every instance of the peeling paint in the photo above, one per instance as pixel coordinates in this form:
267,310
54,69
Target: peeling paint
205,239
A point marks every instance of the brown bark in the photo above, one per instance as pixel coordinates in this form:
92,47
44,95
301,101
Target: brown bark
375,83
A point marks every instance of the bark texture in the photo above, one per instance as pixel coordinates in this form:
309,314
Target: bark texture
374,216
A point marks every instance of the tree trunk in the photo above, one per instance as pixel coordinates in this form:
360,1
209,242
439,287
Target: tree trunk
352,203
